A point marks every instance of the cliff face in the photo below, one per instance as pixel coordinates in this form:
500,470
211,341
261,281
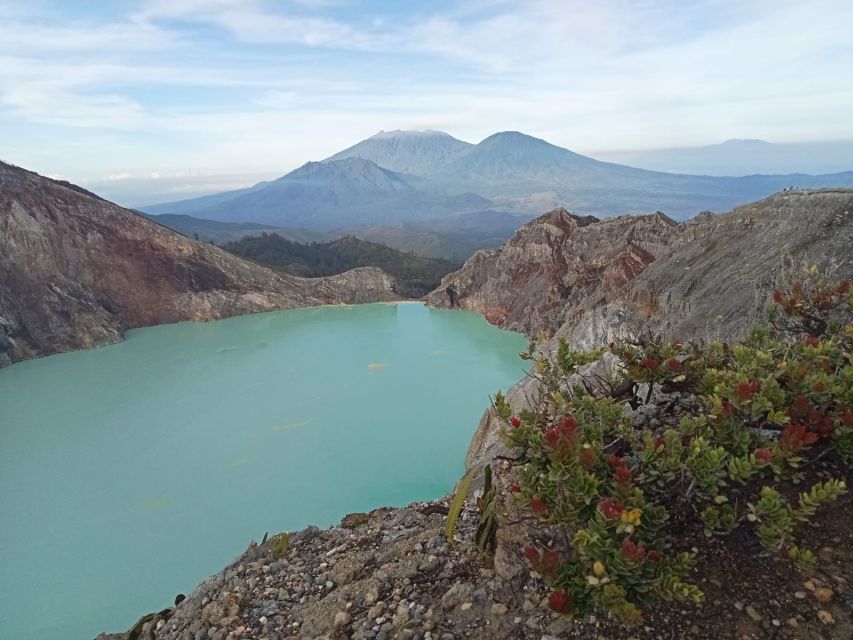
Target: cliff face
592,281
77,271
557,260
589,280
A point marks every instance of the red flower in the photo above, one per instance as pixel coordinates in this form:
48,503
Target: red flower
611,509
660,442
778,297
560,602
795,436
674,364
566,425
538,507
552,436
515,421
562,430
651,364
622,475
800,407
588,458
819,386
615,461
633,551
745,390
515,489
764,454
654,556
812,341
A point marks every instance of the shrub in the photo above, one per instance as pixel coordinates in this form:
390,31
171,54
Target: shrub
765,408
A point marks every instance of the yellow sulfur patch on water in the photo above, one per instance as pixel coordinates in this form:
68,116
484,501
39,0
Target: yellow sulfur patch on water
239,461
157,503
376,366
295,424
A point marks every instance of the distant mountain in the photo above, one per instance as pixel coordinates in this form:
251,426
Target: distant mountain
330,195
510,170
414,275
453,238
743,157
415,152
515,169
220,232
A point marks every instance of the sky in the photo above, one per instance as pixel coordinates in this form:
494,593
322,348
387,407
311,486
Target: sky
192,92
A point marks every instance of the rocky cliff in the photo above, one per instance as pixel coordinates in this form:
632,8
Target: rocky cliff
77,271
591,281
588,279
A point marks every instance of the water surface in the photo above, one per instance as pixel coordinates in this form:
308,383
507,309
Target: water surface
131,472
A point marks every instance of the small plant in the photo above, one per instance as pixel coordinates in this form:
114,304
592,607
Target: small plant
456,506
487,527
280,545
764,409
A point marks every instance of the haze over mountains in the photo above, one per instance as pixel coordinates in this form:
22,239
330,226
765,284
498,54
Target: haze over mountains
410,177
741,157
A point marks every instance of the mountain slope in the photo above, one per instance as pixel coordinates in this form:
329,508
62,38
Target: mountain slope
589,280
415,275
219,232
413,152
326,195
510,166
76,271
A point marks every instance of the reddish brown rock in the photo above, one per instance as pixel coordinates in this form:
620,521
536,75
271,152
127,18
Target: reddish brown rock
77,271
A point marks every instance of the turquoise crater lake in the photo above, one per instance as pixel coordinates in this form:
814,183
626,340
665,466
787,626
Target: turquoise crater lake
131,472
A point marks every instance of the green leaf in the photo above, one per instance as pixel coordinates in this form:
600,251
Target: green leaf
456,505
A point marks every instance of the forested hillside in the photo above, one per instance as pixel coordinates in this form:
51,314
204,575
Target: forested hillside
415,275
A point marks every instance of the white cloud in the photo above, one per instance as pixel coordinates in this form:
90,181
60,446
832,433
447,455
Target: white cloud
280,86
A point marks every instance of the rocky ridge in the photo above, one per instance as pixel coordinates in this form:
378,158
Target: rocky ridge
592,281
77,271
589,279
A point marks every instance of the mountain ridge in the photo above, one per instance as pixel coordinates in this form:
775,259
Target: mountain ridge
327,195
443,176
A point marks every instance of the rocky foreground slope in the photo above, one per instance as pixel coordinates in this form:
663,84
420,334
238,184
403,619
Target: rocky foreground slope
77,271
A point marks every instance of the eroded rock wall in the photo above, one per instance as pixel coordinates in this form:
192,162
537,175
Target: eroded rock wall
77,271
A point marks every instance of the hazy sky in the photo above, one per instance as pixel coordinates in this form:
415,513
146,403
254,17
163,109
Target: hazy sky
91,90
